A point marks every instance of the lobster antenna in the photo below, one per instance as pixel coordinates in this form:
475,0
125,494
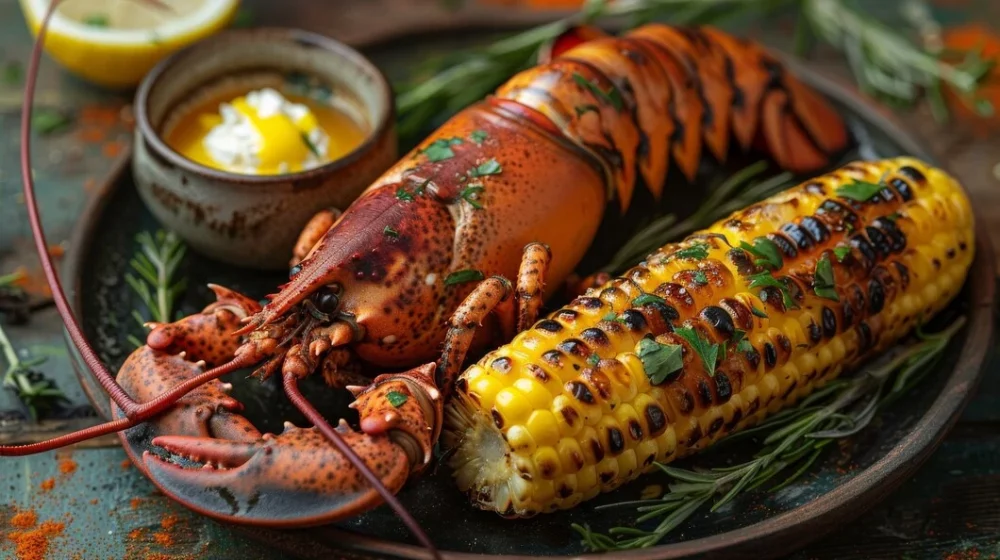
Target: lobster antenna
291,383
117,394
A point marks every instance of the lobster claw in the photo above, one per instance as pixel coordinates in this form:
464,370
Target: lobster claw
298,478
294,479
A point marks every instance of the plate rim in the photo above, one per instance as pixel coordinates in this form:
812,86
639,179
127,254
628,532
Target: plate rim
770,537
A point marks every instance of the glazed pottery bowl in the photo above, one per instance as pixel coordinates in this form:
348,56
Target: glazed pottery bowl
254,220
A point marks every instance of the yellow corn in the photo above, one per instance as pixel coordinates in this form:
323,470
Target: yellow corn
568,410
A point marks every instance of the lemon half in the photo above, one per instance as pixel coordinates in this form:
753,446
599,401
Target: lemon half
114,43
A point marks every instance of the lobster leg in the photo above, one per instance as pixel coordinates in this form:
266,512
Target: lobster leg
493,296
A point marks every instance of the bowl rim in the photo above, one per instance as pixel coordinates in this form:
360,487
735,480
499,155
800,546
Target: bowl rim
147,133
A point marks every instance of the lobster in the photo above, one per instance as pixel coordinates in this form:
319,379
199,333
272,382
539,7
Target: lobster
414,273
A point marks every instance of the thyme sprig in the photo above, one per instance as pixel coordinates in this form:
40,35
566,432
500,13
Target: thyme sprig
156,263
793,440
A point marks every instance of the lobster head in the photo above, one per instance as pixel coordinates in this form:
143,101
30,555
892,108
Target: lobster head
376,270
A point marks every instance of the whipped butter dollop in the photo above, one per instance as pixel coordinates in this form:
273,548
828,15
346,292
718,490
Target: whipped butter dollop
262,132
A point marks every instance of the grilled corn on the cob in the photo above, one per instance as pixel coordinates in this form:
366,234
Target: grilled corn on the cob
748,316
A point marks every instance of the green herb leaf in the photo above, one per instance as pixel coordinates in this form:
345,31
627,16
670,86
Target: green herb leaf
594,359
696,251
478,137
646,299
48,121
389,232
582,110
402,194
309,144
12,73
471,193
96,20
823,280
490,167
841,253
661,362
766,251
463,276
758,312
894,216
700,278
764,279
859,190
707,351
738,335
609,316
744,346
440,150
395,398
613,97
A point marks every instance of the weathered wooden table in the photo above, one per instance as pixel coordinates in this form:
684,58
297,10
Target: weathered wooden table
951,509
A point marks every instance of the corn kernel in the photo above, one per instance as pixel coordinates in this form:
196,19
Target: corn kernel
542,425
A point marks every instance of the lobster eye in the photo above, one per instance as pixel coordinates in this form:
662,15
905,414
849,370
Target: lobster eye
327,302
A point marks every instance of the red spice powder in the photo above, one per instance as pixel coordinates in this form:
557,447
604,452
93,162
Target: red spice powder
33,544
135,534
135,502
163,539
67,466
47,484
126,464
168,521
94,502
113,149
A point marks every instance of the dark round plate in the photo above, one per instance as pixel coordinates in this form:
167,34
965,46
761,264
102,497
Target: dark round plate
838,487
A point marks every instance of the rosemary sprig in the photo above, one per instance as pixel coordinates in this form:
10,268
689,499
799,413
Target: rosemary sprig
739,190
792,441
33,389
156,263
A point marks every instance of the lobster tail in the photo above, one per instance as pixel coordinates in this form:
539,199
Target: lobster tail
662,94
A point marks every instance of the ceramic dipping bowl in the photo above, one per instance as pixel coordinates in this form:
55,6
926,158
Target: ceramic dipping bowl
254,220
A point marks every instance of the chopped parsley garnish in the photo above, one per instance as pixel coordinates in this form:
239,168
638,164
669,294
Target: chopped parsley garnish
593,359
389,232
421,187
490,167
708,351
582,110
694,251
395,398
471,193
440,150
859,190
738,335
765,280
744,346
823,283
610,316
646,299
463,276
309,144
96,20
47,120
700,278
758,312
660,361
841,253
766,251
478,137
402,194
612,96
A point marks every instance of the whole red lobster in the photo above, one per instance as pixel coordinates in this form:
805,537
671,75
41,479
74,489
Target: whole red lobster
512,187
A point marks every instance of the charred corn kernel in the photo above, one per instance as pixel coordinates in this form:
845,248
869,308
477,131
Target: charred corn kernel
859,268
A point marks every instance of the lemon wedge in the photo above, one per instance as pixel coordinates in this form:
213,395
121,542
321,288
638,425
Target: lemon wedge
114,43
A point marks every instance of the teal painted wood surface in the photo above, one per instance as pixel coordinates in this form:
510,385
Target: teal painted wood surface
951,509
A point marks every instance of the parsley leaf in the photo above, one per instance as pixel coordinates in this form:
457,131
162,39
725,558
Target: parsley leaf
401,194
695,251
660,361
744,346
389,232
646,299
859,190
612,96
48,121
478,137
708,351
463,276
841,253
490,167
700,278
610,316
593,359
309,144
758,312
471,193
765,280
766,251
823,283
395,398
440,150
